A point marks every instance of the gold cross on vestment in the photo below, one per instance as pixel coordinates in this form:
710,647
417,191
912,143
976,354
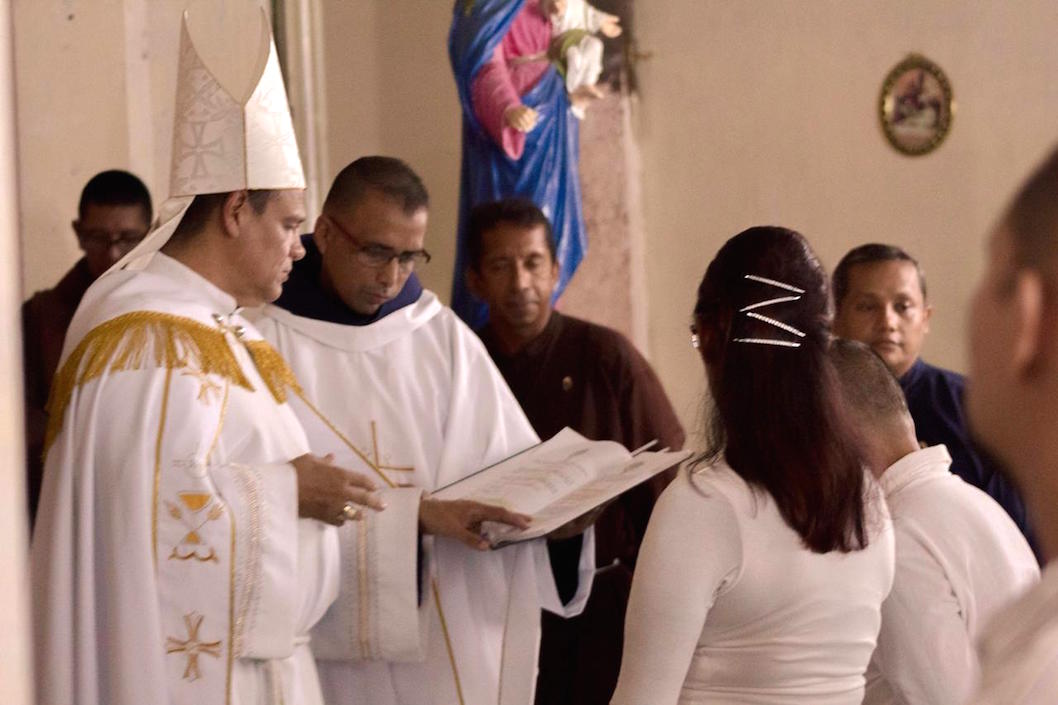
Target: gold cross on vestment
378,457
224,323
207,389
192,646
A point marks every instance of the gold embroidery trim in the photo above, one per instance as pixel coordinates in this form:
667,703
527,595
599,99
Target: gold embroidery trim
136,341
220,423
249,485
158,466
448,641
231,612
343,438
365,607
274,370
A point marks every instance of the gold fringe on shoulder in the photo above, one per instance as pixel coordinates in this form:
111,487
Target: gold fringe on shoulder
274,370
136,341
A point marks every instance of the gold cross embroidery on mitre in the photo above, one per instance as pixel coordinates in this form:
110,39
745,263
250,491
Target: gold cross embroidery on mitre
192,647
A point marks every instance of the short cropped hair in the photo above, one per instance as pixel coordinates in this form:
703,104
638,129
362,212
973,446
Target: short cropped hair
485,217
870,254
115,188
869,389
1033,216
204,205
386,175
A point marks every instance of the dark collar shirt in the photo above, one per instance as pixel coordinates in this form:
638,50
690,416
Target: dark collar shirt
935,399
45,318
592,379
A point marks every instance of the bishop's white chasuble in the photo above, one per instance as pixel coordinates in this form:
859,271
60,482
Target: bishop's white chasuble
166,562
418,403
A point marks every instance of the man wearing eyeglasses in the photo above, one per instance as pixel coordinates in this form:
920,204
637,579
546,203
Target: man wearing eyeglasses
113,215
416,402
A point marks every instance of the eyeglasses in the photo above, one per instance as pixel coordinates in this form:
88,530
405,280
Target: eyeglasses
376,256
100,240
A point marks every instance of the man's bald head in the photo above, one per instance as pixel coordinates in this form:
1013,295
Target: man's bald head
869,388
876,402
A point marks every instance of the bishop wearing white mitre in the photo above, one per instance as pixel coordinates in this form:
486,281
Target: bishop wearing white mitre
168,563
418,402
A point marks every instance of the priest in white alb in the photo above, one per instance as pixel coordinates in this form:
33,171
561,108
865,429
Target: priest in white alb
418,403
169,564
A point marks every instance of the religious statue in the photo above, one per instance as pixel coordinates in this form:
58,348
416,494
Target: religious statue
525,71
576,49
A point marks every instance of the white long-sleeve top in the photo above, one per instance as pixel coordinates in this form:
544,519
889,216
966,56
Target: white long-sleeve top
959,558
729,606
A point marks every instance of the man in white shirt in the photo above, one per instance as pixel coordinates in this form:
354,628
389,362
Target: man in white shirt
959,556
1013,403
418,404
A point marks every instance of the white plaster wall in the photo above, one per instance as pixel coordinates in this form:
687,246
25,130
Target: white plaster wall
390,91
765,113
96,82
72,120
751,112
15,675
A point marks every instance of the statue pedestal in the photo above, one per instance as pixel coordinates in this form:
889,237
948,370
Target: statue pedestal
609,287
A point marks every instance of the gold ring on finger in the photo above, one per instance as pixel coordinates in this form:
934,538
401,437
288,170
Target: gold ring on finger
350,512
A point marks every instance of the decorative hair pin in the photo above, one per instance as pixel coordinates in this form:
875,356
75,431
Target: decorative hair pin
769,302
768,341
765,280
749,311
777,324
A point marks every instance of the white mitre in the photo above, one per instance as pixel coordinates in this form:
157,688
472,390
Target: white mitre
223,142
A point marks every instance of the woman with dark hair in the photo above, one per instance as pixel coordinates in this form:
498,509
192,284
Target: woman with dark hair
762,573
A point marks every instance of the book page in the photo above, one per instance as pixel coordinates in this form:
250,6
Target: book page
536,478
600,490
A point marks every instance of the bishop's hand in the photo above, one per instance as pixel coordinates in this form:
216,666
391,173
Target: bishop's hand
324,490
461,519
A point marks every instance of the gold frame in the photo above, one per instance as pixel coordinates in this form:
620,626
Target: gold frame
886,106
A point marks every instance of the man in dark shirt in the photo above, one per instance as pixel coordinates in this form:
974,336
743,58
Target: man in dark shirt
569,372
880,296
113,215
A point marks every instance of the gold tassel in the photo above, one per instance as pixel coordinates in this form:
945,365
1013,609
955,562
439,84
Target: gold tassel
275,372
137,341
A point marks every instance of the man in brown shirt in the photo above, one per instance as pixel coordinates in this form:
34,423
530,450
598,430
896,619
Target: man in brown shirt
569,372
113,215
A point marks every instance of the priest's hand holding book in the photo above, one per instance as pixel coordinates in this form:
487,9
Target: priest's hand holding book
563,484
332,494
462,520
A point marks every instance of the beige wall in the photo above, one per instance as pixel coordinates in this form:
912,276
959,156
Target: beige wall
390,91
750,113
96,82
15,664
764,113
72,120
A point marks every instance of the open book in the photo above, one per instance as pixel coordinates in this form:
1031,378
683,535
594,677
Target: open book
557,481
